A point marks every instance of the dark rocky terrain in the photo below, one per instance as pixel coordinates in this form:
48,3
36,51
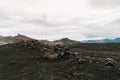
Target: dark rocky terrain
32,60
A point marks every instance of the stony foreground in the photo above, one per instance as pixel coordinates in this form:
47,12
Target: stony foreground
34,61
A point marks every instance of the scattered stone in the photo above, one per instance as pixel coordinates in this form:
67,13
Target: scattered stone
53,56
70,69
109,64
13,62
44,48
76,53
32,56
76,74
81,61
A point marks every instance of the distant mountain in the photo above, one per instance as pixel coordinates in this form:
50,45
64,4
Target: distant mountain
13,39
19,37
63,41
116,40
66,41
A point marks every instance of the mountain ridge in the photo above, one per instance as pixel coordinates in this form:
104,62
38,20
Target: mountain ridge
63,41
116,40
20,37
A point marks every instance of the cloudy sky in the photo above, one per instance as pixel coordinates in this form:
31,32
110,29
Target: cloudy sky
55,19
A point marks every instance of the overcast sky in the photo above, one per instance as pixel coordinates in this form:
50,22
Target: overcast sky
55,19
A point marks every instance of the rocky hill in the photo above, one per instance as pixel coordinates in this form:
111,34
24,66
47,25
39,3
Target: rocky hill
13,39
66,41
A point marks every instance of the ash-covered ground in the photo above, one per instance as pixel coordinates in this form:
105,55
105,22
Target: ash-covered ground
33,60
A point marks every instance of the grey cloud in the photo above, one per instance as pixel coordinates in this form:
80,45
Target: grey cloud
26,18
105,3
106,31
8,21
41,22
116,22
90,35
